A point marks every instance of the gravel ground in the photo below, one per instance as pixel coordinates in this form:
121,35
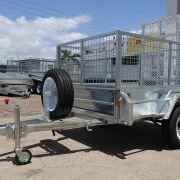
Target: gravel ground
29,107
107,153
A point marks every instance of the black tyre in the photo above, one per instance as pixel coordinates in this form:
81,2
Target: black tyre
36,88
58,82
171,130
25,158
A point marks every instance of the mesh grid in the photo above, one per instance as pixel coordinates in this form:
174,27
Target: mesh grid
29,66
70,60
99,60
167,28
95,60
144,60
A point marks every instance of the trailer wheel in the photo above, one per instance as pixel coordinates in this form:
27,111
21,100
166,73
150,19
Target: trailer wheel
61,98
36,88
25,157
171,130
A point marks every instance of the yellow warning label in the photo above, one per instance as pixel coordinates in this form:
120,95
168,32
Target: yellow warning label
135,45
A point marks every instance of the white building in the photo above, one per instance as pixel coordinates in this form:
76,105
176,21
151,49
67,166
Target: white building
173,7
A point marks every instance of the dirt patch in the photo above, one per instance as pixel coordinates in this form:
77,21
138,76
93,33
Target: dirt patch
29,107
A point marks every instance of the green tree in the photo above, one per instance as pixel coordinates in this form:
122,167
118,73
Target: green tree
68,56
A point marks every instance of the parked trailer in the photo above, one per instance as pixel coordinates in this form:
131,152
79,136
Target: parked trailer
77,89
11,83
33,68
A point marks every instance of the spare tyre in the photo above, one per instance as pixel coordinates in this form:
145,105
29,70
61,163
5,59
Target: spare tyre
58,84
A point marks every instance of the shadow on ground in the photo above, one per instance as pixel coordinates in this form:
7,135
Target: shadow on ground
114,140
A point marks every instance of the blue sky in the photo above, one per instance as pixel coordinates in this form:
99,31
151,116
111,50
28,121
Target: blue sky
29,30
121,14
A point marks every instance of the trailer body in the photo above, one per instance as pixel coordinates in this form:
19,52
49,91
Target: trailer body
11,83
33,69
118,78
126,67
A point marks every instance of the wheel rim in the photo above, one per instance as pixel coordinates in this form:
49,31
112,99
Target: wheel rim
24,157
178,127
50,93
38,89
32,89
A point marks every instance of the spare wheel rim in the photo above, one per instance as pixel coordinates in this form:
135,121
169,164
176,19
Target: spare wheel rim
50,88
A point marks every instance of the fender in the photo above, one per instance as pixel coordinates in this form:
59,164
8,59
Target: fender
173,101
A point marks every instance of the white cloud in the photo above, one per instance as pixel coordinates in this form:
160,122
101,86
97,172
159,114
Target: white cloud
36,38
136,32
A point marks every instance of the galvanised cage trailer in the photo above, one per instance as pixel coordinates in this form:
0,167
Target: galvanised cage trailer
23,77
112,78
32,68
12,83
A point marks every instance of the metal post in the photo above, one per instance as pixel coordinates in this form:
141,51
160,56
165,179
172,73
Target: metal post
141,58
17,126
17,64
46,65
29,69
177,82
43,66
58,57
158,63
118,58
82,62
106,67
7,66
21,68
11,66
169,64
46,96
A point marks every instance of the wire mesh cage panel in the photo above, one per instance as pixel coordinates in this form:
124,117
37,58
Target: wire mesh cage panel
70,60
27,66
122,59
147,61
167,28
90,61
99,59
